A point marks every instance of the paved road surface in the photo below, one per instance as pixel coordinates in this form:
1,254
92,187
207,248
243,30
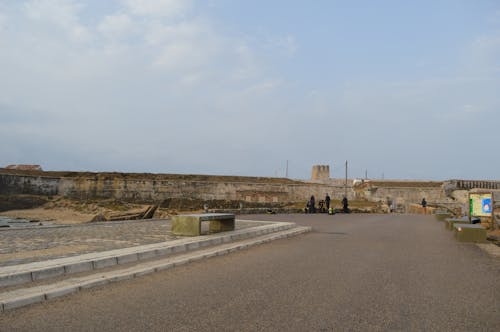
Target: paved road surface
353,272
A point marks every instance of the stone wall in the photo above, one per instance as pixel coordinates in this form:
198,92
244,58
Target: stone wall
156,188
403,192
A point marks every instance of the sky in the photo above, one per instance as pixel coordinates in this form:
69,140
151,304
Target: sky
400,89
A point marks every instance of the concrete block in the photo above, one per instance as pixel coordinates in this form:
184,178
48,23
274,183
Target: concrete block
104,262
216,241
196,258
449,222
165,266
22,300
163,251
121,277
93,283
78,267
190,225
222,252
441,216
64,290
186,225
15,279
124,259
181,262
147,254
205,243
193,246
222,225
47,273
144,272
179,248
211,254
470,233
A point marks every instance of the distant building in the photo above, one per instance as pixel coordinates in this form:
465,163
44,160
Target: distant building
320,172
25,167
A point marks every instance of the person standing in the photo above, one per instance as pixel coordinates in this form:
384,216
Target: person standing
327,202
312,205
345,205
424,205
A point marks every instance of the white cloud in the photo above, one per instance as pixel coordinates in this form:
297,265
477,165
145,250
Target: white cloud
3,20
60,13
115,25
287,45
158,8
471,109
184,46
482,57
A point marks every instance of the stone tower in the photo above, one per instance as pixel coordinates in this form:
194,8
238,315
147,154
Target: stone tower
320,172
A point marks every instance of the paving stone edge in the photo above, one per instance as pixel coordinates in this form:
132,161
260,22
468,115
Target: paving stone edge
27,296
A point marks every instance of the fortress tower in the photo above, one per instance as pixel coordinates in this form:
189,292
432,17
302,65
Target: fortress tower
320,172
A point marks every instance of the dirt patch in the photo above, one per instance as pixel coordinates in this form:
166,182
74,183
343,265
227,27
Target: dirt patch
18,202
54,215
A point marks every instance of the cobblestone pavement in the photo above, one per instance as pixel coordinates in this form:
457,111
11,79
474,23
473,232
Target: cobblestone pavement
25,245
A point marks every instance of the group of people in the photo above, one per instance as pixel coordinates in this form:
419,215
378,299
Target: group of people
324,205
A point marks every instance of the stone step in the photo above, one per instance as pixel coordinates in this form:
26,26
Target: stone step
26,296
32,272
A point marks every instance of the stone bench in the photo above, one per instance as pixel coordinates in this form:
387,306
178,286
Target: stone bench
469,233
190,224
449,222
441,216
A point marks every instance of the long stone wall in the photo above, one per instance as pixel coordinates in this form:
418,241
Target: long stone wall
403,192
148,188
156,188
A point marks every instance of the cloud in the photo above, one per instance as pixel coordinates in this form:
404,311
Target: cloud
287,45
3,20
471,109
59,13
116,25
482,56
158,8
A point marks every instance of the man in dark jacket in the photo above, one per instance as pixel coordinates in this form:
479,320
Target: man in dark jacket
327,202
345,205
312,205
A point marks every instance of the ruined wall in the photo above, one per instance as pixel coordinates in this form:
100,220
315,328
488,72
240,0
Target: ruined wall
403,192
320,172
136,187
156,188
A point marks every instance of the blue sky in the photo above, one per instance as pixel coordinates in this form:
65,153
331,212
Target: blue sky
405,89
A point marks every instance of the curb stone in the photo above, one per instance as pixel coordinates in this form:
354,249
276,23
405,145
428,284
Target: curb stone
26,273
26,296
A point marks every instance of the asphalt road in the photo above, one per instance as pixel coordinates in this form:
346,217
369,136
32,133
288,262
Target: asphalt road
353,272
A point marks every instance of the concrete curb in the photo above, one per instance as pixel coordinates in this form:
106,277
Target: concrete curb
26,296
25,273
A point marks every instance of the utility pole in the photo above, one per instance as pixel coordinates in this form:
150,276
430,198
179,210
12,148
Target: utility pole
286,172
345,185
366,174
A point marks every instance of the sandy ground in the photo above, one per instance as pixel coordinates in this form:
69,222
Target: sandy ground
54,215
